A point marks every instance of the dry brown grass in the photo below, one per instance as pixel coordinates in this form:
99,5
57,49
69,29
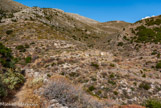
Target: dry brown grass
128,106
27,95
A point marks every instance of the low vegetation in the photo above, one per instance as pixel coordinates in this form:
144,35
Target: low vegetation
153,103
6,58
10,78
152,21
145,35
145,86
22,48
28,59
8,32
120,44
70,95
158,65
95,65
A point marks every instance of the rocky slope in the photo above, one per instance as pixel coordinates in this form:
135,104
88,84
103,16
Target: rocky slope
11,6
71,61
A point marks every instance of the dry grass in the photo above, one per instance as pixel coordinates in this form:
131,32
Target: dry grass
27,95
128,106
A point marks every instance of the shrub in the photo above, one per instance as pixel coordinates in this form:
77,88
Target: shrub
148,35
12,79
93,79
28,59
111,82
150,22
74,74
14,20
144,75
115,93
10,15
125,38
140,28
158,55
21,48
158,65
145,86
120,44
9,78
27,46
91,88
95,65
48,75
8,32
112,65
133,31
152,103
112,75
154,52
62,91
70,95
3,91
6,58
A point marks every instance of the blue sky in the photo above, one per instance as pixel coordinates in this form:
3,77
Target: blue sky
103,10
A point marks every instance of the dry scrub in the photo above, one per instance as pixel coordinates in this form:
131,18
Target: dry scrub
68,94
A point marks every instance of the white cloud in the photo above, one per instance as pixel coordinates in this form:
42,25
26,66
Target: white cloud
148,17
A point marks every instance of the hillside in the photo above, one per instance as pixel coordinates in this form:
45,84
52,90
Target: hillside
11,6
65,60
71,26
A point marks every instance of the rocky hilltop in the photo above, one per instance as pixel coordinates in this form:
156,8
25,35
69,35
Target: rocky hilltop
11,6
56,59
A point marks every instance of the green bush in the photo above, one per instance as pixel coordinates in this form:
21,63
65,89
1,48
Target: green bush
158,55
150,22
144,75
8,32
157,29
6,58
140,28
21,48
158,65
4,51
13,80
154,52
148,35
28,59
9,78
120,44
3,91
112,75
111,82
91,88
152,103
74,74
112,65
145,86
95,65
115,93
